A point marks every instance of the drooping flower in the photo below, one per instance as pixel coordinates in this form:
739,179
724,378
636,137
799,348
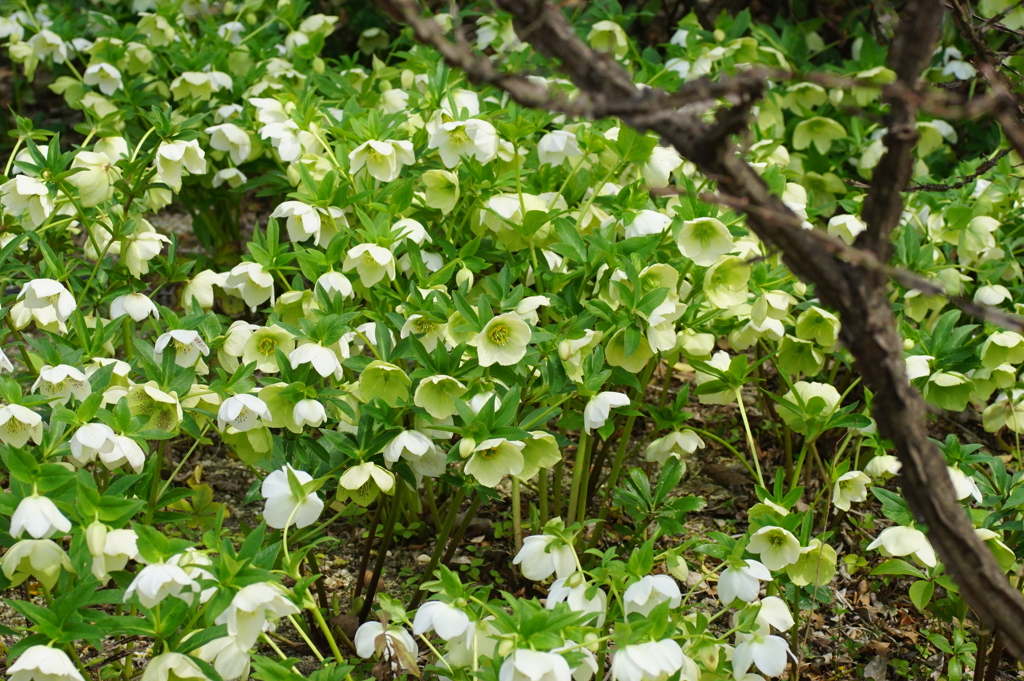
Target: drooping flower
704,240
188,347
44,663
493,459
362,483
323,360
676,444
47,300
243,412
648,592
232,139
743,582
41,559
904,541
543,555
95,179
28,198
503,340
156,582
524,664
282,507
474,138
443,618
61,382
255,609
38,516
599,407
383,160
138,306
768,653
18,424
776,545
437,395
394,643
574,590
652,661
253,283
851,486
372,262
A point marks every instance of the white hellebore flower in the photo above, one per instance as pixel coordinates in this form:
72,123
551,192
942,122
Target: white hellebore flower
372,262
647,222
27,197
372,637
777,547
596,413
40,517
323,360
18,424
244,412
767,653
475,138
138,306
188,347
309,413
884,465
173,667
232,139
850,487
444,619
91,440
48,301
743,583
283,508
104,76
963,484
649,592
175,158
255,609
59,383
653,661
503,340
543,555
704,241
44,663
252,282
382,160
534,665
493,459
573,590
156,582
557,146
904,541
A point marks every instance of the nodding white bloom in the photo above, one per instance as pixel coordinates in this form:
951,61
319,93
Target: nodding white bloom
59,383
156,582
232,176
188,347
846,227
104,76
493,459
767,653
95,179
850,487
442,189
543,555
228,658
503,340
596,413
777,547
474,138
48,301
394,642
773,612
323,360
652,661
255,609
443,618
428,332
675,444
904,541
199,84
283,508
704,241
28,198
917,366
144,244
437,395
963,484
534,665
18,424
364,482
983,295
42,559
301,220
44,663
200,289
884,465
657,171
647,222
372,262
243,412
573,590
138,306
419,451
232,139
38,516
110,549
335,283
89,441
5,363
410,229
309,413
47,44
649,592
172,667
252,282
557,146
173,159
383,160
125,451
743,582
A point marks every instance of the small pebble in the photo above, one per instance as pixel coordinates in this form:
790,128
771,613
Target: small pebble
423,558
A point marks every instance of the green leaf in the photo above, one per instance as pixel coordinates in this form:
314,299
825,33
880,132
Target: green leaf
897,566
921,593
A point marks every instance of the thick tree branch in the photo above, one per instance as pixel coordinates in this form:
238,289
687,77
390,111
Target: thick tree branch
856,288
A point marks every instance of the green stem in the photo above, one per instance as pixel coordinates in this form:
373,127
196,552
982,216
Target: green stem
453,545
577,475
322,623
442,539
382,554
542,494
795,478
750,437
305,637
517,514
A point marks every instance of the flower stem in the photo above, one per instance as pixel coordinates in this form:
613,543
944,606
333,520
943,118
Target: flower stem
442,539
382,552
517,514
750,437
326,629
577,475
305,637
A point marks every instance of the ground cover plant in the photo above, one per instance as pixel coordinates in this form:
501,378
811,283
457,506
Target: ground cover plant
390,271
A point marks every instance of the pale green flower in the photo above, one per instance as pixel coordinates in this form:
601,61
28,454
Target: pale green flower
851,486
704,240
541,451
818,325
384,381
819,131
725,282
442,190
1002,347
615,353
777,547
816,565
96,178
816,403
948,390
503,341
608,36
363,483
261,347
493,459
796,356
437,395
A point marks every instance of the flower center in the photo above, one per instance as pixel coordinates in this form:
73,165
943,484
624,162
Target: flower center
488,453
267,346
776,540
424,325
458,137
499,335
369,261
